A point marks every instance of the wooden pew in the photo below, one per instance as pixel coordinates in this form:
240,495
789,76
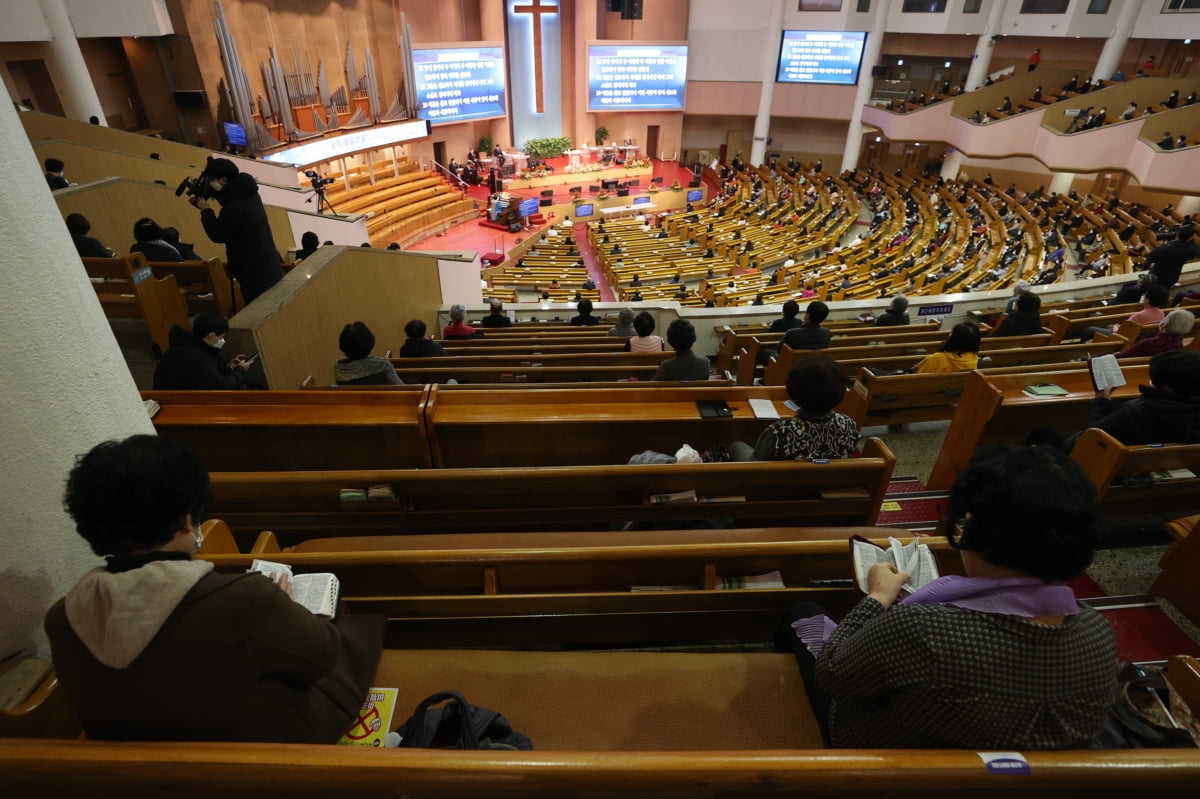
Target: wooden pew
128,289
263,430
994,409
205,285
544,427
298,505
1112,466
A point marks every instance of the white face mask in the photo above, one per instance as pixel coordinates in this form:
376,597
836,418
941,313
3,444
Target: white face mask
219,343
199,540
216,185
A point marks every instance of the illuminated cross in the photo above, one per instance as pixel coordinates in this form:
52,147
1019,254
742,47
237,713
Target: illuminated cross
537,9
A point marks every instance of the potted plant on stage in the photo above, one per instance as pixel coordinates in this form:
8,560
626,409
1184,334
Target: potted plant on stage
601,136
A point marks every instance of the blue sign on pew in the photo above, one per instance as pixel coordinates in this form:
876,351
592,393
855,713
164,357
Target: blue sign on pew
142,275
935,310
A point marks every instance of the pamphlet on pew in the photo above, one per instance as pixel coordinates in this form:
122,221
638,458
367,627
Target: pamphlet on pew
374,721
317,592
914,558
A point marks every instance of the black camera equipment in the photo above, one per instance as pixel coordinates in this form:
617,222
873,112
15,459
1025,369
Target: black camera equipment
196,187
319,183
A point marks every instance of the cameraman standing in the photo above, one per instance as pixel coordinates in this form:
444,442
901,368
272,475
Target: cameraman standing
241,226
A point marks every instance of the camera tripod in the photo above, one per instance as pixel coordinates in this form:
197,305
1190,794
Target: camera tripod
322,201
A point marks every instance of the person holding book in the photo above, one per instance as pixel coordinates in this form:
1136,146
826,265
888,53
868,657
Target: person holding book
959,353
1174,326
815,384
155,645
1003,658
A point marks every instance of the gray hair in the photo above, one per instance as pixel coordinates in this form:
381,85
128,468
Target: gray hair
1179,321
457,313
625,316
1022,286
899,304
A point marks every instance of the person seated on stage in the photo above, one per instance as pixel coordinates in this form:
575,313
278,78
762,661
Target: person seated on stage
1174,326
584,316
87,246
417,345
816,384
309,243
458,328
959,353
624,326
194,360
148,240
186,252
360,367
686,365
497,318
1025,320
810,335
240,659
1003,658
896,314
791,310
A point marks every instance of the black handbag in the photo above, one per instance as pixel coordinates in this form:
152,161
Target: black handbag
458,725
1142,715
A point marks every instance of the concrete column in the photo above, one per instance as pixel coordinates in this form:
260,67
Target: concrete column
952,165
67,388
866,82
770,62
1114,46
1061,182
981,62
64,61
1188,204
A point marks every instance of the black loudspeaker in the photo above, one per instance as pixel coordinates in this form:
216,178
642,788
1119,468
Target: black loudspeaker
879,71
515,227
631,9
635,183
593,189
610,184
546,201
695,184
622,192
548,193
576,190
658,179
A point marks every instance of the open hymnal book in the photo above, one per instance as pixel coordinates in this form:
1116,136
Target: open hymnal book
317,592
1106,372
914,558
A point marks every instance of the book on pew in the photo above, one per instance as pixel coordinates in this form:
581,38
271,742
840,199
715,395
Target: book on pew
317,592
1105,372
1046,390
914,558
374,721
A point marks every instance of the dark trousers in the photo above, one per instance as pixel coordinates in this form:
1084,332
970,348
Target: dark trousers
787,641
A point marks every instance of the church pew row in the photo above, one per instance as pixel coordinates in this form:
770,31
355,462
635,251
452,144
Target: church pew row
1128,479
575,589
297,505
128,289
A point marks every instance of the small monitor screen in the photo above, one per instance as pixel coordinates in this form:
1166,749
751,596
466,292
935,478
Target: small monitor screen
641,200
820,57
235,134
695,195
528,206
459,83
584,209
636,77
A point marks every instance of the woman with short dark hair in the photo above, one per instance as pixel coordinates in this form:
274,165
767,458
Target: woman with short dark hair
686,365
240,659
360,367
644,341
959,353
1002,658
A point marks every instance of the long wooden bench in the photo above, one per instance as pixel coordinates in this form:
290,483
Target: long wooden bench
302,504
128,289
1121,473
534,368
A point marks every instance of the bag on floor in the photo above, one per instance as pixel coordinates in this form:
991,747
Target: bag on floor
458,725
1148,714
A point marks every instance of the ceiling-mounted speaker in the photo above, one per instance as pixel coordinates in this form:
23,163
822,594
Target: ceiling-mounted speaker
631,9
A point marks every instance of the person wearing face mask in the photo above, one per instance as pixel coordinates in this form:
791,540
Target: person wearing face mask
241,226
194,360
237,658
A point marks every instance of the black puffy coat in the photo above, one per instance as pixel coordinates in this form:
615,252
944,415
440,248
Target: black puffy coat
191,364
242,227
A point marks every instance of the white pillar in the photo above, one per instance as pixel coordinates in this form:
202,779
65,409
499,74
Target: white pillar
64,61
66,389
866,82
1188,204
770,62
1061,182
1114,46
981,62
952,165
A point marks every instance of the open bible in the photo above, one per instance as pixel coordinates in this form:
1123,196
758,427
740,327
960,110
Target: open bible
914,558
1105,372
317,592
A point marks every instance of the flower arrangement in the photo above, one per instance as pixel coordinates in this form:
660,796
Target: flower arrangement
676,186
638,163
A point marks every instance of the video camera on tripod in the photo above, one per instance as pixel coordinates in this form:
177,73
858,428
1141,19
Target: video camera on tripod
319,183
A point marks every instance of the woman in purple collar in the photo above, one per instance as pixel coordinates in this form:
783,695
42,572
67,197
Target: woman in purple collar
1003,658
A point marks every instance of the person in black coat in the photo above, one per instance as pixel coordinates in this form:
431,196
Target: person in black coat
416,345
194,359
148,240
87,246
241,226
1166,261
1025,320
810,335
896,314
